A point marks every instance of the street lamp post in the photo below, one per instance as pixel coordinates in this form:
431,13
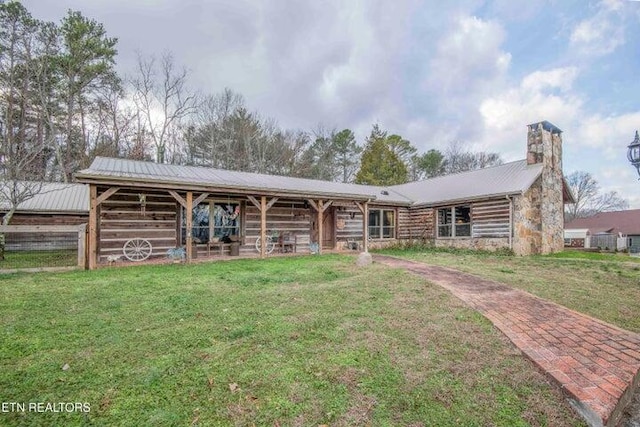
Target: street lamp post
633,153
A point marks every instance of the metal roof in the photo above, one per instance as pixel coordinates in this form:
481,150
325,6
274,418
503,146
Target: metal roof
509,178
131,171
56,197
625,222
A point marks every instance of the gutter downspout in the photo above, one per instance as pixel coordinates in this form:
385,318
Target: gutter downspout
510,222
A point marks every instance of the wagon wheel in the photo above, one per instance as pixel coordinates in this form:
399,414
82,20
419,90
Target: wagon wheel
137,249
271,244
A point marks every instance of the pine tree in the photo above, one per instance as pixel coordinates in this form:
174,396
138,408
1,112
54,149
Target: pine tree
380,165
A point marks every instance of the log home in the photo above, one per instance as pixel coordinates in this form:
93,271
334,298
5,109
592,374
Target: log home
517,205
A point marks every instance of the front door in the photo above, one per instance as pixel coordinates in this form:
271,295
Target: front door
328,228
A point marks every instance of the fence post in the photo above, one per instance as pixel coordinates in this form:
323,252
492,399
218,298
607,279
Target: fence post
82,246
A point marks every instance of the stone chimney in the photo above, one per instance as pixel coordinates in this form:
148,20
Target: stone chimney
544,145
539,212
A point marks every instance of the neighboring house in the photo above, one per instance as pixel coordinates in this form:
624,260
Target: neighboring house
518,205
613,230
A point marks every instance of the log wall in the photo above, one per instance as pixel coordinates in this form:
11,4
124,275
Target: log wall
490,218
348,229
415,223
121,218
284,216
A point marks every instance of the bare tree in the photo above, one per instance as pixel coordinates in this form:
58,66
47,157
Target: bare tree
589,200
458,159
164,101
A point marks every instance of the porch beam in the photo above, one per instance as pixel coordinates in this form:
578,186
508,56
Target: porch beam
104,196
189,219
359,206
200,198
178,198
93,227
263,226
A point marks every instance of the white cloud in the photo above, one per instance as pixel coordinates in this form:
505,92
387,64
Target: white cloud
468,57
603,32
559,78
541,95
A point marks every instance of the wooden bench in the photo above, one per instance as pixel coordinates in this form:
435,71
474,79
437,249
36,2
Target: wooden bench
216,245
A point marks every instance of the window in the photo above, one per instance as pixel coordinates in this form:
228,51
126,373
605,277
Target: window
215,219
382,224
454,222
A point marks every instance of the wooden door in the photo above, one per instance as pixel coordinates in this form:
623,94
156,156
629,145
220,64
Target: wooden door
328,229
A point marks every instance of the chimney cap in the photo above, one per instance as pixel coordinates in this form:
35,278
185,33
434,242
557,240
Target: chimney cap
548,126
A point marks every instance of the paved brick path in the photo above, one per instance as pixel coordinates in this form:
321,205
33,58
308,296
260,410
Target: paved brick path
595,363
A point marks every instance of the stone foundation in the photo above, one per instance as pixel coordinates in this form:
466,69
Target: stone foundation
483,244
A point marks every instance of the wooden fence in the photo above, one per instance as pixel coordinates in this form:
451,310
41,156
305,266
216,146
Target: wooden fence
22,238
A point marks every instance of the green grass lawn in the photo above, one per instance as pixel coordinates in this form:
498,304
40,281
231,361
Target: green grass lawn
605,286
38,259
597,256
287,341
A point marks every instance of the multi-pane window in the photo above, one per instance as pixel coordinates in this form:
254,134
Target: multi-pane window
454,221
213,220
382,224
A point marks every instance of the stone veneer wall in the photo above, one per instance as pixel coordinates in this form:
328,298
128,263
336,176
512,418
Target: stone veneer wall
527,221
539,213
552,208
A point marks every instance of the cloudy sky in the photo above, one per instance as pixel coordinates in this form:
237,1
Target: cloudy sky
432,71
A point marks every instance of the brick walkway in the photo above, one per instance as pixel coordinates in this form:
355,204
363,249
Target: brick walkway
595,363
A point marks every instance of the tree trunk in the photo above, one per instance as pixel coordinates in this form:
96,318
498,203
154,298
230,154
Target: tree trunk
5,221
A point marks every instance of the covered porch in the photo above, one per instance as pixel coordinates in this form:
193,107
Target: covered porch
150,221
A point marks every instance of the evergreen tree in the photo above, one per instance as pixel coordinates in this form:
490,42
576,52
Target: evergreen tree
87,65
346,151
430,164
380,165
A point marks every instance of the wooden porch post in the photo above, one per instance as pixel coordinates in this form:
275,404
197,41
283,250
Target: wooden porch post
365,226
93,227
320,220
189,220
263,226
94,217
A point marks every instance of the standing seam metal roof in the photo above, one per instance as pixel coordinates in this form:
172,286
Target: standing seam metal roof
510,178
132,170
56,197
